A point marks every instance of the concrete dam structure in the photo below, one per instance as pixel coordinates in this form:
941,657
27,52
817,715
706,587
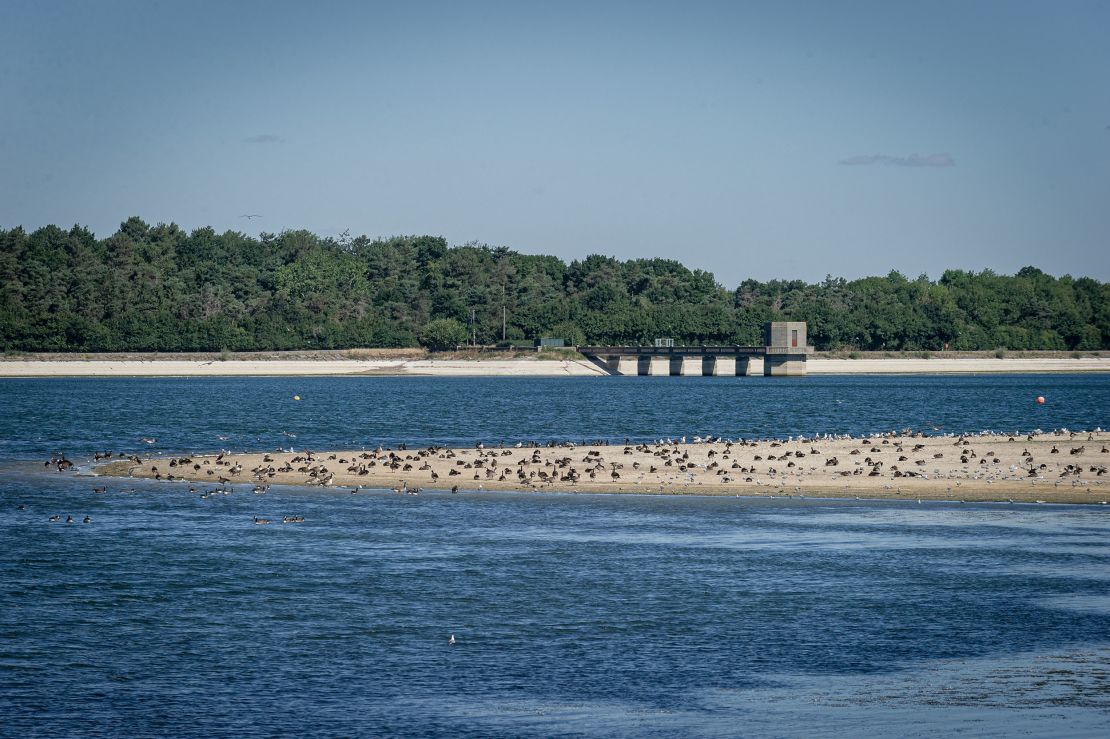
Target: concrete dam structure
783,353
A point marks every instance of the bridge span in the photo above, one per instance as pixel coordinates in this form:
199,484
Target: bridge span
783,353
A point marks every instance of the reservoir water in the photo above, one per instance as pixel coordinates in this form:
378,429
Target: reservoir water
577,615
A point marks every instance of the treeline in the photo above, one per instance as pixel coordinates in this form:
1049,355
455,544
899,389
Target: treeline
159,288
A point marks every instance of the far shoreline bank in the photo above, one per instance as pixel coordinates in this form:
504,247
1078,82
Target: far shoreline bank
475,364
162,365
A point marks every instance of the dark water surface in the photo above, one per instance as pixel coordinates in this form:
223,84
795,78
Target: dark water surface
574,615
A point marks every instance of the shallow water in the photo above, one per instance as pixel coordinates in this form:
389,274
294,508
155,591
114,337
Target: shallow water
574,615
78,415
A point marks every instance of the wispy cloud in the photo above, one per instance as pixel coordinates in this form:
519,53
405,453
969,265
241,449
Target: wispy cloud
913,160
263,138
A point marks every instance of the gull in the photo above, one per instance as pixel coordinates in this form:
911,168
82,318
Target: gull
250,216
451,641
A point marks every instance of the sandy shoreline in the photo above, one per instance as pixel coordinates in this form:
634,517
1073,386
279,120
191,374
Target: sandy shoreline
281,367
507,367
972,468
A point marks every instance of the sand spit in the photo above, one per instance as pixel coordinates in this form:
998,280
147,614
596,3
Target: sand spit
1058,467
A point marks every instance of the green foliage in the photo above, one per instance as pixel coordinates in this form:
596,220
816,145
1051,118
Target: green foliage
442,334
559,352
148,288
569,332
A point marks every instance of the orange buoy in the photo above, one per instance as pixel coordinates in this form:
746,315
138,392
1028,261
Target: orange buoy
1040,400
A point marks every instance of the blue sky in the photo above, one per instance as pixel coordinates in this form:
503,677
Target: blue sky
787,139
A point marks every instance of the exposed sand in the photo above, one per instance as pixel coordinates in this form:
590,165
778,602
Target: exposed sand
232,367
894,366
504,367
973,468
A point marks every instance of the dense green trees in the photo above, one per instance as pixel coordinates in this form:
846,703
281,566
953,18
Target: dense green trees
160,288
441,334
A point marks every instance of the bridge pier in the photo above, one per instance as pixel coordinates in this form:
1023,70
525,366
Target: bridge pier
743,367
690,366
719,366
784,365
659,366
623,364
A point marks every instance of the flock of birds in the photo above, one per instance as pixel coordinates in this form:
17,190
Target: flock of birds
69,519
669,460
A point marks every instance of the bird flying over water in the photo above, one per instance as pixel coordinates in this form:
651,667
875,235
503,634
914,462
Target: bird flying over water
250,216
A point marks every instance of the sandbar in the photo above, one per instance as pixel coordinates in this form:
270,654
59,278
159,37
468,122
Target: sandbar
1058,467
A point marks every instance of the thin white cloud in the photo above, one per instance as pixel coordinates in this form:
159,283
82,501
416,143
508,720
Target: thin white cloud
913,160
263,138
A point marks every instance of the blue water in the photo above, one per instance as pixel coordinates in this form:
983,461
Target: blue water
80,415
574,615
